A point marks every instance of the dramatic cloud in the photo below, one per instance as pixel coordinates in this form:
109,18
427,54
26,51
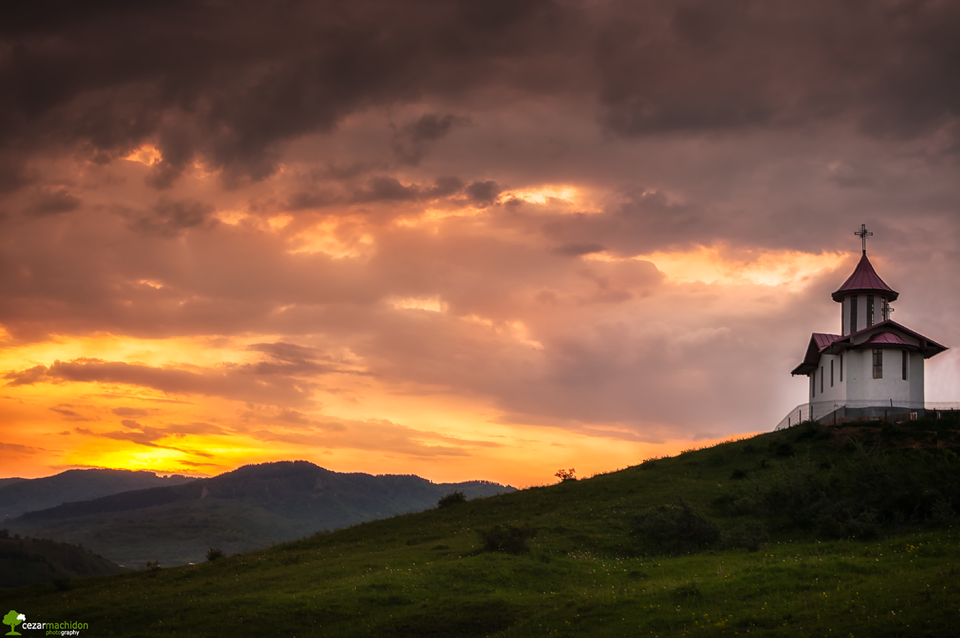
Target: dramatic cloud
460,239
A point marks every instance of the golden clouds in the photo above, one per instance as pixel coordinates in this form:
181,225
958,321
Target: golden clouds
147,155
719,265
493,331
431,304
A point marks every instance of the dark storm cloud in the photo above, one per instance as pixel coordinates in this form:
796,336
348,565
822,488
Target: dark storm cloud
483,193
53,202
230,83
389,189
701,66
645,222
303,200
410,144
170,218
431,127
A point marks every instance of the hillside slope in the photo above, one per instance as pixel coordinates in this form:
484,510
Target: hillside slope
591,569
24,495
252,507
30,560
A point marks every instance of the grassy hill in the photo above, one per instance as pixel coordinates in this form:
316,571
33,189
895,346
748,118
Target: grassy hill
810,531
252,507
24,495
24,561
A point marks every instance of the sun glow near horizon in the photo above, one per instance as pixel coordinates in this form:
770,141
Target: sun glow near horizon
75,407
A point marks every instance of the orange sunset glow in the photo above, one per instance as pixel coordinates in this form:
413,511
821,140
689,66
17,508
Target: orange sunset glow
516,246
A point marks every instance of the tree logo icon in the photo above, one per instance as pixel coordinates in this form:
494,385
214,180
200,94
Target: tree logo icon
13,619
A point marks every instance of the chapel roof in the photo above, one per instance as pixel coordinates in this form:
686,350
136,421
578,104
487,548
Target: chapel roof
865,279
884,335
887,338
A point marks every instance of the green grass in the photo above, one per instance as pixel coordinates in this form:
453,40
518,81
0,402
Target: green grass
585,573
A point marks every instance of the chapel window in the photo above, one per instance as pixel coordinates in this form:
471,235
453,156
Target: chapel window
877,363
853,313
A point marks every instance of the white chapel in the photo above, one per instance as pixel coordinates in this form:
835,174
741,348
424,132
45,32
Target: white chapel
874,368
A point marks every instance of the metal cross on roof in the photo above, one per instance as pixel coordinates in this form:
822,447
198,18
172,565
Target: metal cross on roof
863,233
886,309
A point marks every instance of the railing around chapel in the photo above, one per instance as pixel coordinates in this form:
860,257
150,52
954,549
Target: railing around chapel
820,409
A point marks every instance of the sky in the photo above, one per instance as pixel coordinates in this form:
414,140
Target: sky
463,240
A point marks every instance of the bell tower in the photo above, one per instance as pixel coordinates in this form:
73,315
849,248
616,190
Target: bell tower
864,298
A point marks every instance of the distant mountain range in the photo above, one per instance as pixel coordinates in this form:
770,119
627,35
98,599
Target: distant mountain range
23,495
252,507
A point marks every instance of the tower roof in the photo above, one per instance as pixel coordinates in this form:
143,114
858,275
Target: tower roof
865,279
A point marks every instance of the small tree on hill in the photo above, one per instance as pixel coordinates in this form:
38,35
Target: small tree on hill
566,475
214,554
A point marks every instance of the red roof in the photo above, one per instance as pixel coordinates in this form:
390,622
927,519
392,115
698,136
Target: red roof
823,340
887,337
819,342
865,279
822,343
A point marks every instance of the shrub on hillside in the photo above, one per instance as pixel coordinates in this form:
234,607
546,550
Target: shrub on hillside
62,584
452,499
214,554
748,535
675,529
858,495
506,538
